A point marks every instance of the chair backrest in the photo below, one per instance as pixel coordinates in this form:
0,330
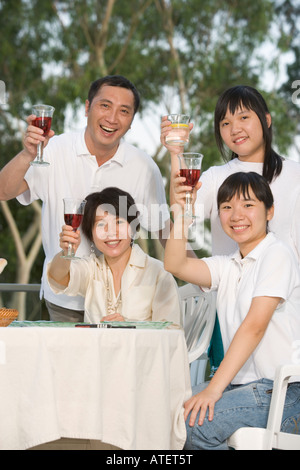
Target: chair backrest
271,437
199,312
275,438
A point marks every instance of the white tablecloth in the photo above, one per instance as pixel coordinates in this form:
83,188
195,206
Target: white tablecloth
124,387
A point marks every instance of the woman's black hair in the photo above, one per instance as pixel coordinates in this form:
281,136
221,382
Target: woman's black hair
239,184
243,96
116,202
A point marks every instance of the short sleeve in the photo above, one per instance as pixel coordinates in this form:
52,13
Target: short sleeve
277,273
37,183
216,266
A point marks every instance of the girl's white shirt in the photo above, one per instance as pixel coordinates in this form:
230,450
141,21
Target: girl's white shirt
268,270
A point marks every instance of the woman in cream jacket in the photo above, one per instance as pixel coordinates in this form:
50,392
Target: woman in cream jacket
123,283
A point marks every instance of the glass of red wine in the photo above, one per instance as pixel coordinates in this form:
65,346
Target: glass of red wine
44,114
190,169
73,214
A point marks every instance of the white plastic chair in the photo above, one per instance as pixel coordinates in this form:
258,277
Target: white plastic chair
270,437
199,313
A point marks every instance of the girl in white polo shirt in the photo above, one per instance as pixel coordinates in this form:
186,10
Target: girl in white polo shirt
258,303
243,132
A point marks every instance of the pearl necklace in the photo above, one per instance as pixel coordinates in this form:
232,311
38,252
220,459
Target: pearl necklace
112,307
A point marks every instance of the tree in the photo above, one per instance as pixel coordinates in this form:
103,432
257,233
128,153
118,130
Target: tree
288,24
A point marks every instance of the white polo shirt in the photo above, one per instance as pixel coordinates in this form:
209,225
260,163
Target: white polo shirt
269,270
74,172
286,192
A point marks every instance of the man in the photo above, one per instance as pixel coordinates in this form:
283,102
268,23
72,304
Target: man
81,163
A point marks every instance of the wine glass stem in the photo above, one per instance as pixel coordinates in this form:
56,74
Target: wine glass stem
188,204
70,249
40,152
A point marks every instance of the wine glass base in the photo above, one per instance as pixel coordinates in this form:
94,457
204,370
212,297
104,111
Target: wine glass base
70,257
37,163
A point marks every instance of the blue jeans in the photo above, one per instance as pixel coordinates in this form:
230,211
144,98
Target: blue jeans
242,406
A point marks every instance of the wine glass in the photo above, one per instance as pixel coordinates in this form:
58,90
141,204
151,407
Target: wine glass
190,168
43,120
73,214
179,133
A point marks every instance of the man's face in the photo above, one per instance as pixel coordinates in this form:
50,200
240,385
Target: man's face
109,117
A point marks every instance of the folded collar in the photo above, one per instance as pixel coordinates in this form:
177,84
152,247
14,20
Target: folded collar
82,150
257,251
137,257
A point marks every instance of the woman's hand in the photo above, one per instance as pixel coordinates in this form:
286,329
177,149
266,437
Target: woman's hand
67,236
113,317
202,401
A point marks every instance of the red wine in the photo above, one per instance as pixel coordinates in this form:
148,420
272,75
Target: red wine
192,176
74,220
44,123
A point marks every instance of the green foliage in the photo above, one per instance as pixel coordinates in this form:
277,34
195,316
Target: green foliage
288,22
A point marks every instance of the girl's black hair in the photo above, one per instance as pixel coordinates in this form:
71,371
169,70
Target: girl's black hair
116,202
239,184
249,98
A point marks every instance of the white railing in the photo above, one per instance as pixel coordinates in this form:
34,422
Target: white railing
19,301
